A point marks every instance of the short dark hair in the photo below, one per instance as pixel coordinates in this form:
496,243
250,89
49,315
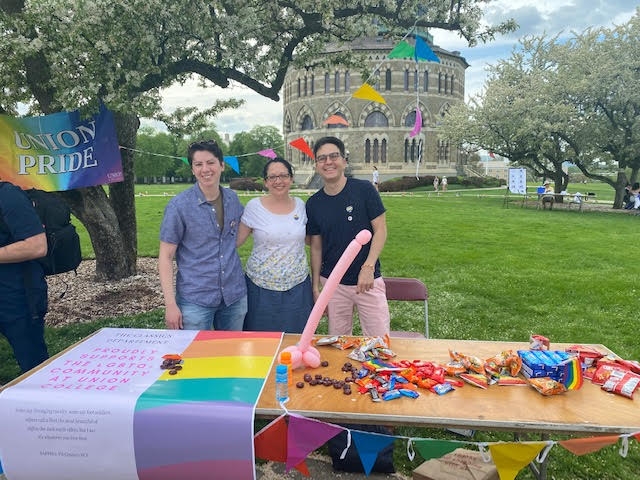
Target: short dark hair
331,140
277,160
205,145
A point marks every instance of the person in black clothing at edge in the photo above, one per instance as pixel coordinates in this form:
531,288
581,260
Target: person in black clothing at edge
23,287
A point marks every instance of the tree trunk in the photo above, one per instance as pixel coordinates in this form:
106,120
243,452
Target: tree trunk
111,221
621,182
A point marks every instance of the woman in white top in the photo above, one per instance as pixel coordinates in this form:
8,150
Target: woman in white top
278,283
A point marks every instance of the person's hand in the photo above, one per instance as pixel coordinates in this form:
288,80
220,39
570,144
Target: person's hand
365,279
316,294
173,318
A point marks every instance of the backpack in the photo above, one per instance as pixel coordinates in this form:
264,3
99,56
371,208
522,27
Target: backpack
63,242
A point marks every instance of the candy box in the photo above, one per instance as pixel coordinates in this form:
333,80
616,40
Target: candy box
461,464
543,363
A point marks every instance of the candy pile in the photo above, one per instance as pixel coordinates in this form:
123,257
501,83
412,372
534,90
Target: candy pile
319,379
172,362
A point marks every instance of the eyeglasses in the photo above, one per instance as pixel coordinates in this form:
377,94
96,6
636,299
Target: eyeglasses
282,178
332,156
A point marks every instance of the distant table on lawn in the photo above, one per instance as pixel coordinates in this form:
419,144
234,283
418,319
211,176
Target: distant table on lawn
519,409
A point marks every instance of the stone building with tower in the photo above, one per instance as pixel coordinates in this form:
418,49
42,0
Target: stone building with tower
377,134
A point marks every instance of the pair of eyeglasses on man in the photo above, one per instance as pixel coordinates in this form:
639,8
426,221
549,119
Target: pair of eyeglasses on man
332,156
282,178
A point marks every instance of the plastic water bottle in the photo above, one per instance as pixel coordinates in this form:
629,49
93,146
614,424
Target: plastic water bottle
282,383
285,359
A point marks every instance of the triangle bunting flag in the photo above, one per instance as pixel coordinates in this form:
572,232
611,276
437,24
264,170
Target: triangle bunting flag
367,92
270,443
429,448
511,457
582,446
269,153
302,145
233,163
369,446
304,436
402,50
424,52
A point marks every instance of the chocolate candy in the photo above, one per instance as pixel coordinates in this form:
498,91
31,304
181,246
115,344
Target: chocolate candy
300,384
324,363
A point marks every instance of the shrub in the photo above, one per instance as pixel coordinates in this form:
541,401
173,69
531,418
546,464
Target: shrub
247,184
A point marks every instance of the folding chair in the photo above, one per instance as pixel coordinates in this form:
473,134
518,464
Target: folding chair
412,290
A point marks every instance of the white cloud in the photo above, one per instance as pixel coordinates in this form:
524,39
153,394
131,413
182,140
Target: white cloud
533,17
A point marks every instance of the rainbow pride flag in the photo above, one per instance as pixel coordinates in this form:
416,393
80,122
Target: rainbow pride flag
60,151
572,374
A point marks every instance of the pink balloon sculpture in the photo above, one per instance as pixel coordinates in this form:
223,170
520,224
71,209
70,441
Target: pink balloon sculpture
303,353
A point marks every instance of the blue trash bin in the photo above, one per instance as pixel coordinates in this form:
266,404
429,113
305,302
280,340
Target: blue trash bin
541,190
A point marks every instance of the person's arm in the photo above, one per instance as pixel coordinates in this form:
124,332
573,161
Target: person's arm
28,249
316,264
172,315
367,271
243,233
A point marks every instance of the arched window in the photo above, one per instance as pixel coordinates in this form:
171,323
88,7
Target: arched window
299,87
406,150
451,89
336,83
307,123
439,83
406,80
313,79
305,86
410,120
376,119
338,125
326,83
376,151
287,125
387,79
446,82
347,82
416,80
425,86
367,151
383,151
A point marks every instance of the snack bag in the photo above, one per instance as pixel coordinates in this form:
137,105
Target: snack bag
547,386
622,383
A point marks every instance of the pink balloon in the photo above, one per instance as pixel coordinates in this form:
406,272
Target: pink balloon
303,354
336,275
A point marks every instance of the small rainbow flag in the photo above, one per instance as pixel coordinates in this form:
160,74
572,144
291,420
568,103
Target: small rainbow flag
572,373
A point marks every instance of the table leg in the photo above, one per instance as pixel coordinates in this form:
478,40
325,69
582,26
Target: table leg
539,470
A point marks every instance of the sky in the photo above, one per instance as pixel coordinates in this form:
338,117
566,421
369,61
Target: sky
534,17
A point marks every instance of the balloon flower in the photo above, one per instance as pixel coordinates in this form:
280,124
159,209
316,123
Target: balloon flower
303,353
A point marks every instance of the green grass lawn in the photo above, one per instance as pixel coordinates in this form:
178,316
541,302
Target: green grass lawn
493,273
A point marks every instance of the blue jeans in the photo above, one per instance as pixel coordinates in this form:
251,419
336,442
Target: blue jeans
221,317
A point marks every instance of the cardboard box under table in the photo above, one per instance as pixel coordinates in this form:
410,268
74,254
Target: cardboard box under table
461,464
